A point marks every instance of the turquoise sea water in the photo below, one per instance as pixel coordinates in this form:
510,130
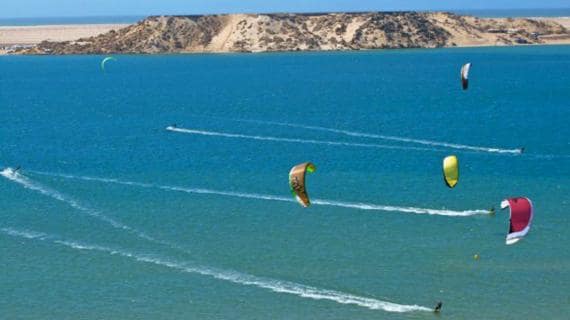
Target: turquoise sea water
202,226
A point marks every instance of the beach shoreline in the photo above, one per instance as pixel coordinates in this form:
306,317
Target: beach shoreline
13,38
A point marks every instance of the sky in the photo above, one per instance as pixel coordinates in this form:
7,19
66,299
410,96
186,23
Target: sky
81,8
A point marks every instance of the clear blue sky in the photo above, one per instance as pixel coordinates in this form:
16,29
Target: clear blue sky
65,8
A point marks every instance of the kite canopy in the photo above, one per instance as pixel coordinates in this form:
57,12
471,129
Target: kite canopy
521,218
105,61
297,182
450,171
465,75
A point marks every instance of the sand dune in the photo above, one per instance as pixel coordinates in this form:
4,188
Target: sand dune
32,35
285,32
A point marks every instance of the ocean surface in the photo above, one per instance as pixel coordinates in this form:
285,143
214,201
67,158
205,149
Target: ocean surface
111,216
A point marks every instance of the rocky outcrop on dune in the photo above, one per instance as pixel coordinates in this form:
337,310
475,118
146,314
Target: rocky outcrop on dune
294,32
473,31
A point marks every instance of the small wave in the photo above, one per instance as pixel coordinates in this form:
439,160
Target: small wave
278,286
292,140
317,202
389,138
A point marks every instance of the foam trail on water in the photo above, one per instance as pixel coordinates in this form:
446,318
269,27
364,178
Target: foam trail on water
27,183
390,138
292,140
415,210
257,196
24,233
278,286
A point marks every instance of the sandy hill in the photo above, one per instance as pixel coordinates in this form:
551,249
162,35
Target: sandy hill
292,32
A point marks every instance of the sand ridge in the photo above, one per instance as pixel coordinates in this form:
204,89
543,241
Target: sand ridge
285,32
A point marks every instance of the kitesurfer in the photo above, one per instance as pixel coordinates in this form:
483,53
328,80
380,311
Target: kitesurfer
492,211
437,308
17,168
522,150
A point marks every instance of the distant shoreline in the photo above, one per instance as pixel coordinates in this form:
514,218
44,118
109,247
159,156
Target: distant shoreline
13,38
26,36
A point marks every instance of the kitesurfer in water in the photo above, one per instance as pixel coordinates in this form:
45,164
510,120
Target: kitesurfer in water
522,150
437,308
492,211
17,168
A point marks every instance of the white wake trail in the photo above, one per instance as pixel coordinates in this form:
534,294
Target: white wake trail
273,285
414,210
390,138
27,183
317,202
25,234
292,140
